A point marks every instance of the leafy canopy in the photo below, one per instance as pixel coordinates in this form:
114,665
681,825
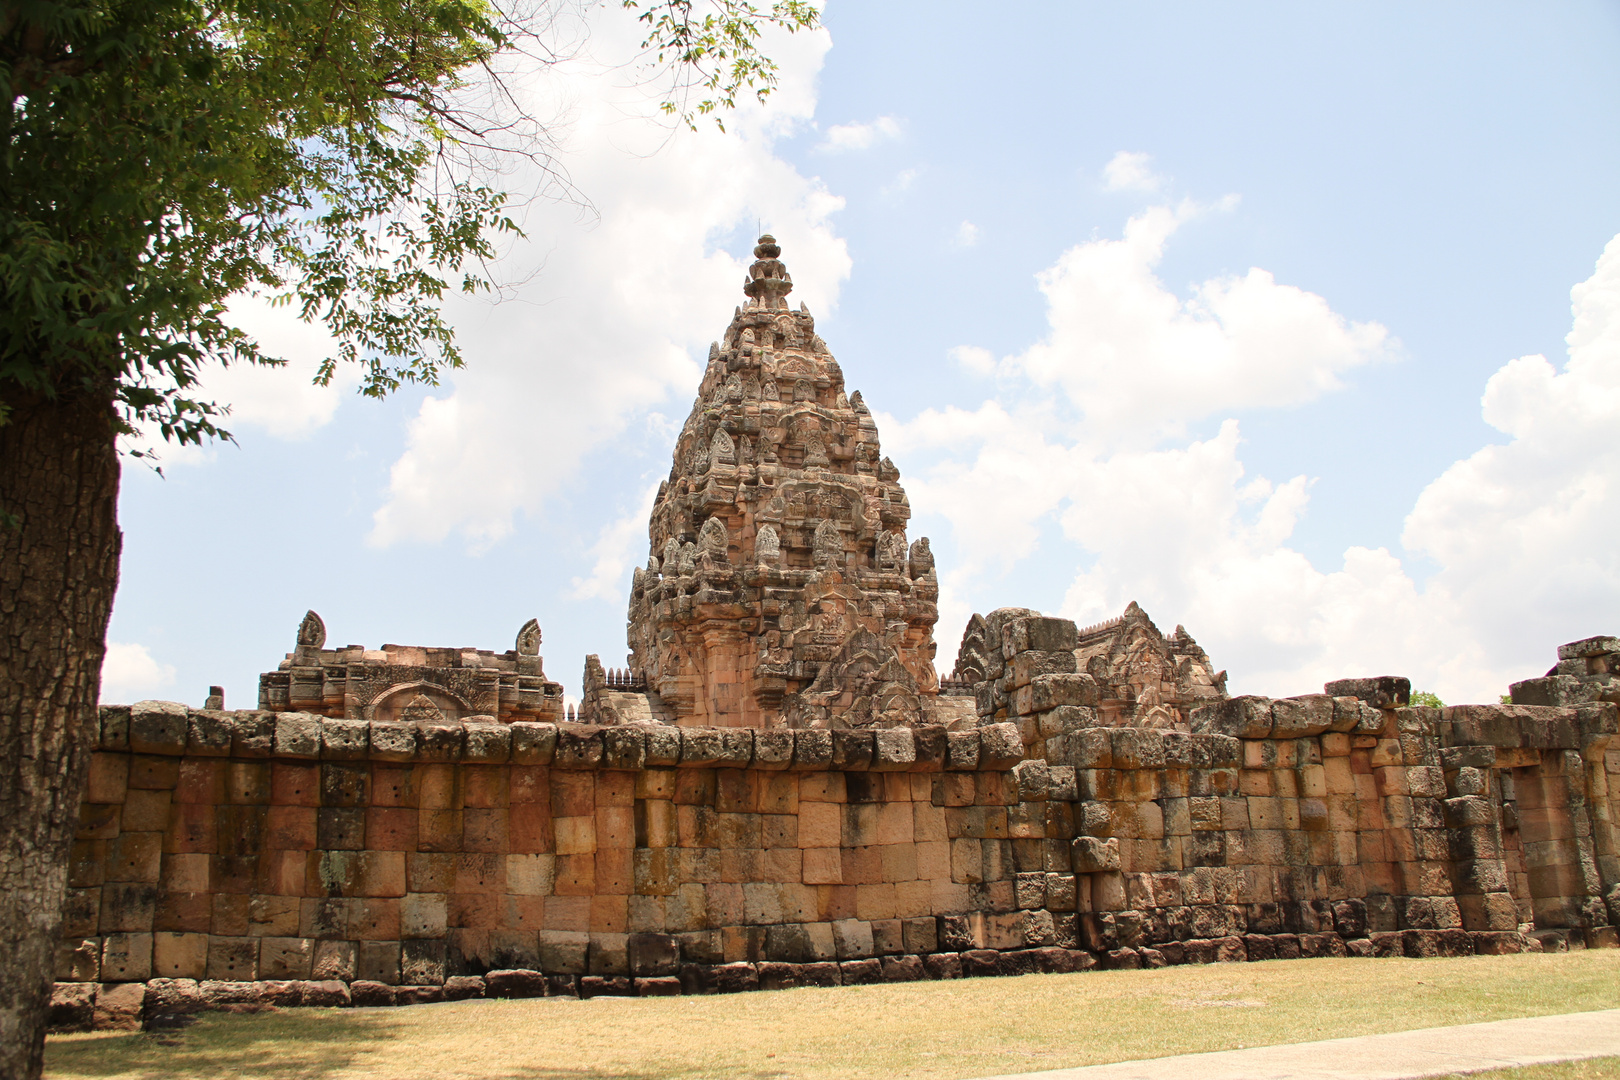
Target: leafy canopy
161,156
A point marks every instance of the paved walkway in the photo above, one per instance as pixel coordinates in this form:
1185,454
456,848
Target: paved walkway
1403,1055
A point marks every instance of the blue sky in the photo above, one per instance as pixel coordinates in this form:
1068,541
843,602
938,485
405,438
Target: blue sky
1216,307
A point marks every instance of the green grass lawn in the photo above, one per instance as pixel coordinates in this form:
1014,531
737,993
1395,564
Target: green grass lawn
932,1030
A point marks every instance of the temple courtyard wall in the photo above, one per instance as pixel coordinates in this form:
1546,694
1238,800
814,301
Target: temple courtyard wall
238,859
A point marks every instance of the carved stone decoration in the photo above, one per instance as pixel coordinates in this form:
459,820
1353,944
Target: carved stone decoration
1144,678
722,451
312,631
528,639
789,473
767,546
768,280
891,551
922,559
712,539
421,710
828,546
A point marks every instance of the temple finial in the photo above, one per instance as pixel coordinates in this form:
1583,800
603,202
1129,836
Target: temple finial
768,279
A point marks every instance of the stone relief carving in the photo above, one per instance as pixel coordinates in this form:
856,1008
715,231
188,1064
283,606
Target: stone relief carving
528,639
312,631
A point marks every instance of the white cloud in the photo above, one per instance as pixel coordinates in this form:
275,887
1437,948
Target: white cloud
1138,359
1524,532
618,309
974,359
1083,434
1130,171
130,673
902,182
859,136
282,400
617,551
967,235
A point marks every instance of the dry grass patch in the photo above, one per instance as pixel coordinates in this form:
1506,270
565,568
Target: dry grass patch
929,1031
1606,1068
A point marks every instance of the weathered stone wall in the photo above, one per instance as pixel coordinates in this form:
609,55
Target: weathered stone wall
304,851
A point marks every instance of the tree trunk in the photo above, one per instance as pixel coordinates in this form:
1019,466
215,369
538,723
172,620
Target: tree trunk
58,572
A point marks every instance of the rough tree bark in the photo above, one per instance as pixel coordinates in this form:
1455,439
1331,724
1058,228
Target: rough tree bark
58,572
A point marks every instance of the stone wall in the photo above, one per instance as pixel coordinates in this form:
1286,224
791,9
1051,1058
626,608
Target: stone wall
327,860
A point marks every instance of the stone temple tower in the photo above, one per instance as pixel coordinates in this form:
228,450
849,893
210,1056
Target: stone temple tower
780,590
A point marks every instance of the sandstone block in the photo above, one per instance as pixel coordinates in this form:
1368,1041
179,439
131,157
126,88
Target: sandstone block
1300,717
773,749
298,735
444,742
1092,854
334,961
533,743
653,954
701,748
1244,717
852,939
962,750
490,743
514,983
735,978
325,994
852,750
209,733
1000,746
113,721
861,972
126,957
158,727
893,750
812,750
421,963
72,1007
902,969
658,986
366,994
118,1006
391,741
564,952
344,740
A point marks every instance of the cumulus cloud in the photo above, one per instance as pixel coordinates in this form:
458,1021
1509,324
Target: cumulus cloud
1524,532
615,311
1080,460
859,136
1131,171
1138,359
280,401
967,235
130,673
616,553
902,181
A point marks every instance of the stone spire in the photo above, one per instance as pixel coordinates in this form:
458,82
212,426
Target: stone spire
768,279
780,588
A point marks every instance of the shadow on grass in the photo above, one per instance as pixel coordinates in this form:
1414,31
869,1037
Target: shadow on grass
306,1044
298,1044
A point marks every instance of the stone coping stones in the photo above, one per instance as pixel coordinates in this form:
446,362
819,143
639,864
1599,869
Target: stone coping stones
170,729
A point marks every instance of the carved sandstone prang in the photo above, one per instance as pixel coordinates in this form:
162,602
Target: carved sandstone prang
817,622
